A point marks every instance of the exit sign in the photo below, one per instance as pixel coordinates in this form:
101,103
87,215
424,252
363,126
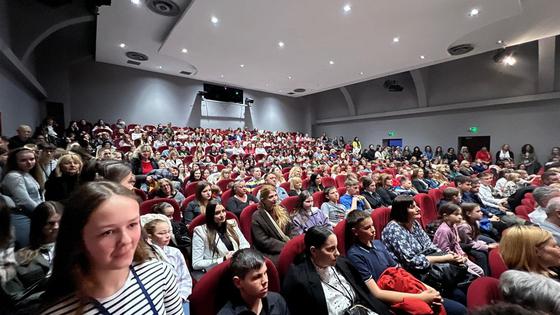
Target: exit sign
391,133
473,129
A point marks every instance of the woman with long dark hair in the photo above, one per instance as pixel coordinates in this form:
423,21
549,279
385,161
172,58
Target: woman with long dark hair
216,240
198,205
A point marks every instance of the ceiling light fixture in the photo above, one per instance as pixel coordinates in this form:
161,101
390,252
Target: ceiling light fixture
184,50
221,75
505,57
281,44
422,57
135,2
500,42
242,65
347,8
509,60
122,45
474,12
160,67
214,20
331,62
361,73
289,77
396,39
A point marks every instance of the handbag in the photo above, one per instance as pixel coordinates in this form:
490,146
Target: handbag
358,309
445,277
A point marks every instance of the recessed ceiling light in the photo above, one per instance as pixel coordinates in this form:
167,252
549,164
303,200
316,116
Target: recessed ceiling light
160,67
289,77
221,75
214,20
347,8
184,50
280,44
396,39
361,73
280,91
474,12
500,42
135,2
422,57
331,62
242,65
122,45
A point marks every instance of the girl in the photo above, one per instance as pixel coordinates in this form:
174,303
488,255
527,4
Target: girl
198,206
447,238
331,208
307,216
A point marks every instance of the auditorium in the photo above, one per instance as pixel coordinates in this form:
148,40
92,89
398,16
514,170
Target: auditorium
279,157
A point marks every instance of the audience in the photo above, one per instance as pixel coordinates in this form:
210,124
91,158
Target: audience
241,198
331,208
65,178
352,199
198,206
305,215
531,290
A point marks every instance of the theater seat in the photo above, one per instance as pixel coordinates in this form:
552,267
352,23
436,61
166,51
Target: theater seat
211,292
318,199
225,196
427,209
340,232
483,291
328,181
186,202
522,212
290,203
339,180
141,194
245,220
496,263
223,184
436,195
286,186
293,248
201,219
380,218
146,207
341,191
190,189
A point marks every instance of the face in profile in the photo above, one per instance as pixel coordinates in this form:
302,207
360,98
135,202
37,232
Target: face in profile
254,284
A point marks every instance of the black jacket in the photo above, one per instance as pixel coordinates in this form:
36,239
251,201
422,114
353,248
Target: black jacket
58,188
137,165
374,200
420,186
386,195
304,294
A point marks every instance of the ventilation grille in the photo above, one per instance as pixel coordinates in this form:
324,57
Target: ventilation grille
132,62
291,93
164,7
185,72
134,55
460,49
299,90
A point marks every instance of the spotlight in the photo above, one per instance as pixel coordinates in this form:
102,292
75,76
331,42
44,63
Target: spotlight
249,101
505,57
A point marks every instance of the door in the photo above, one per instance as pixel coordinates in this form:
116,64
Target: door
474,143
392,143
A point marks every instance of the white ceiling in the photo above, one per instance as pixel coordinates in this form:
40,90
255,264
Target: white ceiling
360,42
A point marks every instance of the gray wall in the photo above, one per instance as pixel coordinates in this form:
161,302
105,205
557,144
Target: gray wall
99,90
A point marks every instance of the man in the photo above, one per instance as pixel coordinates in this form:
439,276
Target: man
271,179
22,138
256,180
248,269
548,178
463,184
352,200
542,196
552,222
450,194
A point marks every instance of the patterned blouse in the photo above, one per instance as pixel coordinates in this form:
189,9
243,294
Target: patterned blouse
408,247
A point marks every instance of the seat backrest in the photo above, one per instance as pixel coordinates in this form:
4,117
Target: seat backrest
290,203
339,180
380,218
530,203
225,196
496,263
285,185
427,209
146,207
305,183
208,296
290,251
436,195
328,181
318,199
341,191
483,291
190,189
140,193
245,220
186,202
340,232
223,183
522,211
201,219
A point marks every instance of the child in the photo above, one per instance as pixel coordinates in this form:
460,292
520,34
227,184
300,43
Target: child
512,184
469,235
159,231
307,216
447,238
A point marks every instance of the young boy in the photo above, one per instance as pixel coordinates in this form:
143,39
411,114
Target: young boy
248,269
352,200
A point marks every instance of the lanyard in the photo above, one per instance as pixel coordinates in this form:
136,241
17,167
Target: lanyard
104,310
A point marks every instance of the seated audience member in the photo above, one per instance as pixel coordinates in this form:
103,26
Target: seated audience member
325,283
352,199
332,209
195,176
484,156
272,179
504,154
429,179
21,184
465,168
295,171
315,183
447,237
542,196
530,248
143,161
182,239
450,195
65,177
99,254
531,290
409,245
369,192
256,179
271,224
371,259
113,171
22,138
485,194
513,183
306,216
158,228
385,188
248,271
296,186
217,240
405,187
552,221
418,181
241,199
494,229
167,190
203,196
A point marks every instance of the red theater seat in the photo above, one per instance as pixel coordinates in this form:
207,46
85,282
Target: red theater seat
201,219
146,207
290,203
245,220
293,248
339,180
380,218
190,189
318,199
340,232
496,262
483,291
328,181
427,209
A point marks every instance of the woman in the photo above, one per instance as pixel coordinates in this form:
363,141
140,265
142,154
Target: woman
20,183
167,190
464,154
356,146
198,205
195,176
315,184
295,171
428,153
417,153
35,261
65,178
241,198
108,267
332,209
306,216
113,171
325,283
217,240
159,232
450,156
143,161
46,162
484,156
385,188
528,159
8,265
369,192
439,152
418,181
296,186
529,248
504,154
173,159
270,224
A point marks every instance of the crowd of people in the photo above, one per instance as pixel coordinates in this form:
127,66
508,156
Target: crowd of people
72,239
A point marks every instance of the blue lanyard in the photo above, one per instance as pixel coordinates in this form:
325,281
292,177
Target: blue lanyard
104,310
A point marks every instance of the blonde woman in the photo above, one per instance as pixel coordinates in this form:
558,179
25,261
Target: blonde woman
530,248
296,185
271,225
65,178
295,171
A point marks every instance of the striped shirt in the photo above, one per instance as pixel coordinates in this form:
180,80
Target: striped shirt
159,281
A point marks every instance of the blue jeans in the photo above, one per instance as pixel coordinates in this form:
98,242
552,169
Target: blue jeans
186,308
21,224
454,308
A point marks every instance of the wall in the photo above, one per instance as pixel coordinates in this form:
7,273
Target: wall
99,90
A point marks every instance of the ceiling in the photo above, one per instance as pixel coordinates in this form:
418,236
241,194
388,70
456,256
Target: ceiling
360,42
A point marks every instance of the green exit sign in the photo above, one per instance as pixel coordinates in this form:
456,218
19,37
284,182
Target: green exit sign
473,129
392,133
